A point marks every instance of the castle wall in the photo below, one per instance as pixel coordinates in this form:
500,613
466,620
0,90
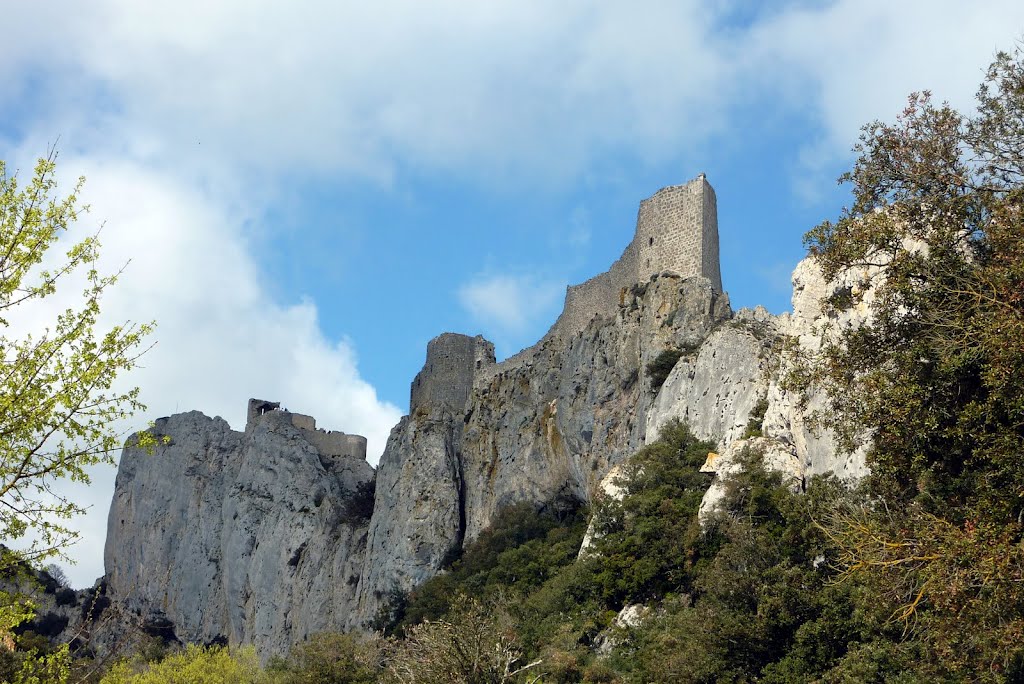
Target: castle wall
327,442
256,409
711,262
676,230
447,377
597,296
338,443
303,422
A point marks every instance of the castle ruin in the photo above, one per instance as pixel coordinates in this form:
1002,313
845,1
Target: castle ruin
327,442
676,231
453,362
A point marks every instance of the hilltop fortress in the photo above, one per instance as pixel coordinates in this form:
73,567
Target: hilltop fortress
327,442
676,233
284,530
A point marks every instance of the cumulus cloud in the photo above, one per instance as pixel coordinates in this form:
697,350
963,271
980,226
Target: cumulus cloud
508,305
478,90
854,61
362,89
220,336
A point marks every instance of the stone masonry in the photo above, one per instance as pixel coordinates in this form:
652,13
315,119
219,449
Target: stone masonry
446,380
676,231
327,442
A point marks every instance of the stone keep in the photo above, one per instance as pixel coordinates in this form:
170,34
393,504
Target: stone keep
446,380
676,231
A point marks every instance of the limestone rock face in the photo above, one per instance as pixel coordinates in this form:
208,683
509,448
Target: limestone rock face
266,536
250,537
716,387
775,455
551,421
543,426
785,418
418,520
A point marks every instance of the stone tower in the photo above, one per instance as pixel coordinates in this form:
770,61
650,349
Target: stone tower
446,380
676,230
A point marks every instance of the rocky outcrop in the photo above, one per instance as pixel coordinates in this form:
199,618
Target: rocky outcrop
251,537
265,536
733,386
543,426
774,454
717,386
419,517
551,421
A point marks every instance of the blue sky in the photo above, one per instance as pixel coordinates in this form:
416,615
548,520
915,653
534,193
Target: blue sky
306,193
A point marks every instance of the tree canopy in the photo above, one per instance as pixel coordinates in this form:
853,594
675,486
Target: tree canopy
936,378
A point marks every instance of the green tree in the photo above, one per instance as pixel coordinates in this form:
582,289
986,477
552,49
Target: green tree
935,379
193,665
474,644
935,375
330,658
58,400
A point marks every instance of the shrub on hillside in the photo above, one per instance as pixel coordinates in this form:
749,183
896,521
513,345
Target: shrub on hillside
193,665
659,369
330,658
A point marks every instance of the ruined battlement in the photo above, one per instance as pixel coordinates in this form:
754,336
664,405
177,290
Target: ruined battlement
676,230
327,442
453,361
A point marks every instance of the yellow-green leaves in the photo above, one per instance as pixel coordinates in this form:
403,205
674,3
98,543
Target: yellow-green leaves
58,400
194,665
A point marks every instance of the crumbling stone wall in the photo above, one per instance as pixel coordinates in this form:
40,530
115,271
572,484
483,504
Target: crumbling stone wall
676,230
257,408
327,442
337,443
598,296
446,380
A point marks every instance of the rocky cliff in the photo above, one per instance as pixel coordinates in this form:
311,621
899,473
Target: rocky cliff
261,537
250,537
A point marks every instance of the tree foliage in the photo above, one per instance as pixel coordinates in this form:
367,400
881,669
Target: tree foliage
58,400
193,665
935,379
473,644
330,658
935,375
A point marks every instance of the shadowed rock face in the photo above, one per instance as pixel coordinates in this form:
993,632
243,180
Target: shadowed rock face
542,426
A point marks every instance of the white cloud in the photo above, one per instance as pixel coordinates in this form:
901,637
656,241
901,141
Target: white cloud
362,88
527,90
220,337
854,61
510,304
